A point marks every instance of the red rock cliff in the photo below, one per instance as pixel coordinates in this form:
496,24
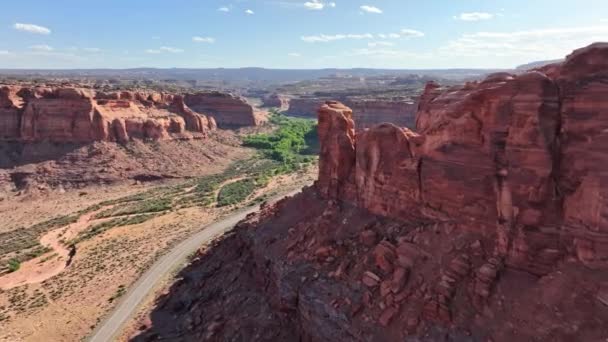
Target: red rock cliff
520,158
67,114
490,225
228,110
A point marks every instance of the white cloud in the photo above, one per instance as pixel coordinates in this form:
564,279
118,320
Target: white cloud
371,9
164,49
317,5
92,49
474,16
4,52
529,45
324,38
41,47
249,12
224,9
380,43
198,39
170,49
409,33
294,54
605,20
31,28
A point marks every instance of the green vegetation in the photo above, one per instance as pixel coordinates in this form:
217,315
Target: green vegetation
293,143
237,192
13,265
99,228
151,205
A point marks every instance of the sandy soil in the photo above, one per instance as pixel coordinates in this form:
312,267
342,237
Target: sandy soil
52,263
69,304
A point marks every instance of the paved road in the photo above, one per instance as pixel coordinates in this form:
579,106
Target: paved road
113,323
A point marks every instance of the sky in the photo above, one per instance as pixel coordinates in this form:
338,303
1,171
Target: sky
295,34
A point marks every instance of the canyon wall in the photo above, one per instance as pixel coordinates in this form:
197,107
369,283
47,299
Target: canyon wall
367,113
486,224
228,110
520,158
75,115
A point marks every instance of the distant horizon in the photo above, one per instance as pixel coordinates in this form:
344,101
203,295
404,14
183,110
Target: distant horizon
295,34
244,68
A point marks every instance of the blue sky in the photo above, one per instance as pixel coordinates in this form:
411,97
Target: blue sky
295,33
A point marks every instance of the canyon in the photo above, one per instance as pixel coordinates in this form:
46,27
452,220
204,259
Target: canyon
67,135
485,221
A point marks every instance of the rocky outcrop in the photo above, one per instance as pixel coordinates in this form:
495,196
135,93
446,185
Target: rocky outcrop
275,100
75,115
487,223
514,157
226,109
367,112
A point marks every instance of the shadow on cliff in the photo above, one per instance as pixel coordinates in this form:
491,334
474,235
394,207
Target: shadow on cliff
14,154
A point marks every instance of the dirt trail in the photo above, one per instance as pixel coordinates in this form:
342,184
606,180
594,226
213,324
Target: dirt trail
52,263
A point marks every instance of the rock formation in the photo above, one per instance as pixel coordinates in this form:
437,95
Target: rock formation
499,156
367,112
228,110
275,100
76,115
487,223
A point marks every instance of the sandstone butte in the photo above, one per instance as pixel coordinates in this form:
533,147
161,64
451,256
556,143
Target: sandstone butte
78,115
488,223
228,110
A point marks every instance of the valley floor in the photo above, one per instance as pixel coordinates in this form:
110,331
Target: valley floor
70,303
118,231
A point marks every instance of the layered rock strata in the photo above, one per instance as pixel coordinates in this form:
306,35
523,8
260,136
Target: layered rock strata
228,110
74,115
275,100
518,157
487,223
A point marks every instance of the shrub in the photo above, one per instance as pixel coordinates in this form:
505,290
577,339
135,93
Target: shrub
236,192
13,265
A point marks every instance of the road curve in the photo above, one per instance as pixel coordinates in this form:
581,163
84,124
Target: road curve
113,323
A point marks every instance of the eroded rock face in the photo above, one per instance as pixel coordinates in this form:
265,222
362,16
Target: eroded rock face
75,115
515,157
276,100
337,161
226,109
487,223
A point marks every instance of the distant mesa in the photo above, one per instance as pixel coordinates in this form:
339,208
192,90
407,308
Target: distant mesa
79,115
228,110
367,112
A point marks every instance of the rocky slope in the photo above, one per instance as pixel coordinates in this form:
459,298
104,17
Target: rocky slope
367,112
228,110
78,115
487,223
